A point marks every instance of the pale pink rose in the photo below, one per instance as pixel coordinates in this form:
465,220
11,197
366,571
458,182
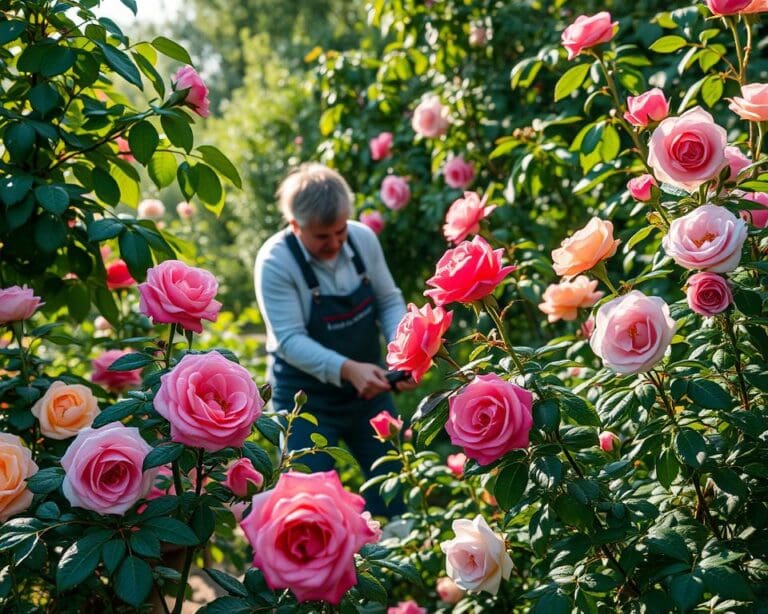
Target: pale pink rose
118,275
708,238
757,217
211,402
408,435
151,208
464,215
17,303
753,103
124,149
176,293
688,150
467,273
373,525
65,410
395,192
102,324
114,381
305,533
641,187
757,6
238,509
431,119
242,478
456,462
406,607
17,465
103,469
458,173
632,332
587,327
476,559
185,210
588,31
727,7
737,161
708,294
386,426
562,301
197,96
650,106
478,35
162,485
448,591
585,248
381,146
489,417
607,441
374,220
418,337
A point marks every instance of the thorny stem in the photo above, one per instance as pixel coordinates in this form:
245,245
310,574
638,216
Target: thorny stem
169,349
739,50
659,385
445,355
704,507
737,355
491,310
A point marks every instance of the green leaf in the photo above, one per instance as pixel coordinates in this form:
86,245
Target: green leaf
709,394
203,523
547,471
178,131
121,63
11,30
578,410
511,484
727,583
570,81
134,249
370,588
667,468
144,543
546,415
129,362
712,90
729,481
172,531
143,140
172,49
80,559
106,228
668,44
406,570
50,233
133,582
209,187
162,455
150,73
56,60
118,411
220,163
46,480
232,585
19,139
668,542
553,603
105,186
258,457
162,169
230,605
44,98
691,447
48,511
112,553
269,429
748,302
52,198
14,188
686,591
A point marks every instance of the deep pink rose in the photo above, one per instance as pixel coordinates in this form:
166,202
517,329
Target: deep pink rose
418,337
456,462
395,192
607,441
118,275
176,293
588,31
17,303
374,220
650,106
103,469
114,381
464,215
688,150
431,118
708,294
151,208
489,417
242,477
305,533
386,426
752,105
708,238
197,96
458,173
406,607
727,7
381,146
641,187
632,332
757,217
737,161
467,273
211,402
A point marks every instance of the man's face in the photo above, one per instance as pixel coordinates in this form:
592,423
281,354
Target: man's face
323,242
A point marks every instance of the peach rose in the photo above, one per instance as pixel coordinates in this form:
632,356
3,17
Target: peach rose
464,215
756,6
448,591
688,150
395,192
737,161
118,275
16,465
418,337
17,303
588,31
374,220
727,7
186,78
151,208
476,559
753,103
585,248
562,301
458,173
386,426
641,188
757,217
650,106
381,146
114,381
243,478
431,117
708,294
65,410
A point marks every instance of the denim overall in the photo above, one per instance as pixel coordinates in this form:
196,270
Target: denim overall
346,324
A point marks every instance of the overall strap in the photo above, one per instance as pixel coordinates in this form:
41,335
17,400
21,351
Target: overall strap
309,275
357,260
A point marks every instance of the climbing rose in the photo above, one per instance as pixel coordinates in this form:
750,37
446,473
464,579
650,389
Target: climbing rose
752,105
118,275
395,192
757,217
588,31
458,173
607,441
386,426
737,161
374,220
151,208
727,7
17,464
456,462
65,410
242,476
406,607
431,117
464,215
448,591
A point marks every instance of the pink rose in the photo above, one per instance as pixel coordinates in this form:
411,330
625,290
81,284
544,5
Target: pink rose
395,192
641,187
467,273
476,559
708,294
464,215
151,208
478,35
458,173
756,6
381,146
688,150
386,426
632,332
448,591
562,301
489,417
373,525
585,248
242,478
118,275
727,7
197,96
650,106
18,303
101,324
757,217
211,402
305,533
373,219
185,210
708,238
162,485
114,381
124,149
607,441
431,118
406,607
17,465
587,32
456,462
103,469
737,161
418,337
176,293
753,103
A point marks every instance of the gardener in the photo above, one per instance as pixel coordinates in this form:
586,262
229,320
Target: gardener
326,294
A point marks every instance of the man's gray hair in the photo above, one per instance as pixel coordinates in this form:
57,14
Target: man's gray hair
315,193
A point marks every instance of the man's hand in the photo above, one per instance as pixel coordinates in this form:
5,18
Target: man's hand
408,384
367,378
